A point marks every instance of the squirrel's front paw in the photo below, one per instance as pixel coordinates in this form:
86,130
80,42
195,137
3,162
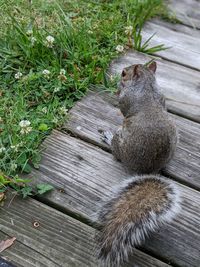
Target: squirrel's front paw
106,136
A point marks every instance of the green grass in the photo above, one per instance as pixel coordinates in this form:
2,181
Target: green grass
87,35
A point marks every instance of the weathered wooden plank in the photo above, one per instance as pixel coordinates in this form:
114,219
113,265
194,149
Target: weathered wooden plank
86,174
93,114
185,165
23,256
188,12
59,240
179,84
184,48
177,27
5,263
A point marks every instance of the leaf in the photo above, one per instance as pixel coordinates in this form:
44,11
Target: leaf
20,180
16,187
27,168
3,189
36,158
36,165
43,127
43,188
21,159
3,180
26,191
6,243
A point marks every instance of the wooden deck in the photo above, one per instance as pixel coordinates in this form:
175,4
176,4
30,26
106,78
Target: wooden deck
82,170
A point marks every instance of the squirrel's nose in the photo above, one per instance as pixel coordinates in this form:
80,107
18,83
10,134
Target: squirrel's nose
120,85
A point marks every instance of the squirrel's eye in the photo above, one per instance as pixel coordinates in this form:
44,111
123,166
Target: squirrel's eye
123,73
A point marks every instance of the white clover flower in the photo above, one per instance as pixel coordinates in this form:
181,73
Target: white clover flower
55,120
62,72
111,78
29,32
49,41
90,32
1,120
18,75
63,111
128,30
2,149
15,147
24,123
26,130
33,40
119,48
46,73
56,89
25,126
13,166
44,110
21,144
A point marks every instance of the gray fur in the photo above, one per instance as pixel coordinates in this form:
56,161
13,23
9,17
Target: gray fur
133,233
147,139
144,144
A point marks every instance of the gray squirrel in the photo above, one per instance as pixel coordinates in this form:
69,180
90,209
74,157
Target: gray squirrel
144,144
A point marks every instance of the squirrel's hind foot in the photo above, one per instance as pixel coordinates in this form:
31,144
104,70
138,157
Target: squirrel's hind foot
106,137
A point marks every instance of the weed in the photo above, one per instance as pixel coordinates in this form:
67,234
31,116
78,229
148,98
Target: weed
50,54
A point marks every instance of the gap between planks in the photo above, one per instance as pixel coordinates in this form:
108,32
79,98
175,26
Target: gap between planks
59,241
86,174
93,114
28,253
188,12
175,257
183,48
180,85
22,255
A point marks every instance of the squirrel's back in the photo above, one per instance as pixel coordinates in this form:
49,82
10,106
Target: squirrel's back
140,206
147,139
147,142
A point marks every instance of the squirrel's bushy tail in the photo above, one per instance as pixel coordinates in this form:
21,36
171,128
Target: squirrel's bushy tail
137,208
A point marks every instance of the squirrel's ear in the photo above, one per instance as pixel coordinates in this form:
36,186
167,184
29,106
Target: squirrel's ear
123,73
152,66
136,70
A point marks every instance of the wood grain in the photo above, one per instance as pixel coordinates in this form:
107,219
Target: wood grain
59,241
94,113
183,48
86,174
188,12
180,85
177,27
20,254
